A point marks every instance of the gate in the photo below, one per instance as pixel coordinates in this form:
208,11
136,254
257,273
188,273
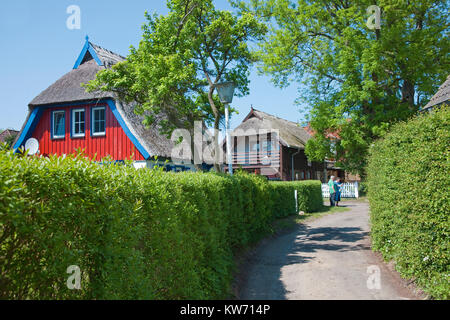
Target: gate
348,190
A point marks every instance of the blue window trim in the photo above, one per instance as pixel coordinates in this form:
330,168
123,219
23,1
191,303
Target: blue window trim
101,134
72,123
52,134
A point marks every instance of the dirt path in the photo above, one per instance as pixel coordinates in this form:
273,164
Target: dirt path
327,258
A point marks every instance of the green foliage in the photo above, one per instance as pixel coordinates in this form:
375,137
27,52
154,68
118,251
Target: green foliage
9,141
309,197
362,189
410,200
180,58
135,234
373,77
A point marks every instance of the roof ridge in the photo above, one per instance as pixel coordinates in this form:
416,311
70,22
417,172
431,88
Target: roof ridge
107,50
442,95
271,115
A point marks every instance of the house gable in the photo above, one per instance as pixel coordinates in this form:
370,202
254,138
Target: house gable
67,93
101,56
117,142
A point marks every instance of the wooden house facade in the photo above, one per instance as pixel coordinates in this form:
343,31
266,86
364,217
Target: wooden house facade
273,147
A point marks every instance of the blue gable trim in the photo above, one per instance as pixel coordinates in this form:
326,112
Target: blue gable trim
87,47
31,124
125,128
99,102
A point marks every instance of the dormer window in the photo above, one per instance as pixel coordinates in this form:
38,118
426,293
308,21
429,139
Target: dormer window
98,122
78,123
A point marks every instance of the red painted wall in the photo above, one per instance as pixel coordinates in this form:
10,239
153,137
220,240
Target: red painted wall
115,143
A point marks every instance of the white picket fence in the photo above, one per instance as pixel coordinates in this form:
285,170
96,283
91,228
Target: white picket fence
348,190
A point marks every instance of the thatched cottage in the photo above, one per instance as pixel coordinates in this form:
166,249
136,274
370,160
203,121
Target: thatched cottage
64,118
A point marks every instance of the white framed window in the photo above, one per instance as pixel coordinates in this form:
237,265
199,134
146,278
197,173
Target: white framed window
98,122
78,123
58,124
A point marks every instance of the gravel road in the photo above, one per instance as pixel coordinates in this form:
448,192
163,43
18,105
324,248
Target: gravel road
327,258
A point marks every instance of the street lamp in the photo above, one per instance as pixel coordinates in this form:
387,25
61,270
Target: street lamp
226,93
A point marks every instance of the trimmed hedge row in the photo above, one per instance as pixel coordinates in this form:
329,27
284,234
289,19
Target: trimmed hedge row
309,197
409,193
134,234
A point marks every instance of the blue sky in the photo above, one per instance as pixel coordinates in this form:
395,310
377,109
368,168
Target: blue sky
38,48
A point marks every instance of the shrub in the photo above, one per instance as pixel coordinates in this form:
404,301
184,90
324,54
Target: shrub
135,234
309,197
362,189
409,199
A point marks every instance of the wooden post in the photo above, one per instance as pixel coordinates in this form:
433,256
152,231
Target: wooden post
258,149
296,200
281,160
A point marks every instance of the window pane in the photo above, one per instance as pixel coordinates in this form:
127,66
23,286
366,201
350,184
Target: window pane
99,120
58,124
78,125
102,126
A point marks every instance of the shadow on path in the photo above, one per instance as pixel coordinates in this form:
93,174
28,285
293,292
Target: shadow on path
264,281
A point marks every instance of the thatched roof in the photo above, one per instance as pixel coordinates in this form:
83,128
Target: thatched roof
7,133
108,58
291,134
443,95
150,138
68,89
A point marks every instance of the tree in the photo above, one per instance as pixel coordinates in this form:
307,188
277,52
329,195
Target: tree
8,140
179,60
359,80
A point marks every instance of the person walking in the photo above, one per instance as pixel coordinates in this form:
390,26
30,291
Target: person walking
338,187
332,189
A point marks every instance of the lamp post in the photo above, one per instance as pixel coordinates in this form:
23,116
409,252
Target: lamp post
226,93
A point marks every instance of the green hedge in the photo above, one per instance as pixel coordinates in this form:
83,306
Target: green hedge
309,197
135,234
409,185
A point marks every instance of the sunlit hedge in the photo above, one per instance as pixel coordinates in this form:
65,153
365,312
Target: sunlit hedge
309,197
409,193
134,234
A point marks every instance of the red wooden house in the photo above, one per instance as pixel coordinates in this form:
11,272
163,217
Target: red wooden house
64,118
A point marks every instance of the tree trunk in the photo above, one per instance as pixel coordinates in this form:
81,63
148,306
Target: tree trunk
408,92
216,144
